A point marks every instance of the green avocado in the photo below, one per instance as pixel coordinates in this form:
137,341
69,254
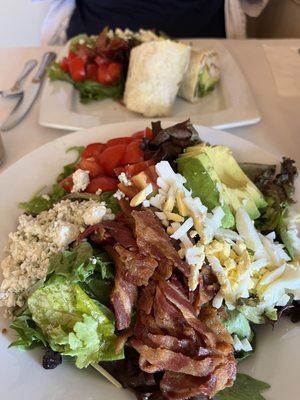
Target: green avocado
215,176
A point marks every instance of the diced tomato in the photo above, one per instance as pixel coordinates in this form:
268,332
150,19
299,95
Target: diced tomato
71,55
145,133
129,191
93,150
77,69
104,183
100,60
111,157
64,64
67,183
90,164
91,72
134,169
108,74
133,153
121,140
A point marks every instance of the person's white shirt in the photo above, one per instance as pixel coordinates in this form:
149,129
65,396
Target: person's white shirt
57,20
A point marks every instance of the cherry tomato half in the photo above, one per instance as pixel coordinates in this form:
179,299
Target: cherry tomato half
121,140
93,150
90,164
77,69
111,157
147,132
64,64
67,183
104,183
91,72
133,153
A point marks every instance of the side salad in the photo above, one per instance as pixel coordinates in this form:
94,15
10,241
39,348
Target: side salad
153,259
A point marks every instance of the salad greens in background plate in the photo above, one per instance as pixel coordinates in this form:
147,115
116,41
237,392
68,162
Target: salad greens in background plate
275,361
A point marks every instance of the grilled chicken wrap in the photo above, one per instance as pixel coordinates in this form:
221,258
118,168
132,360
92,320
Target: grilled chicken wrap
201,76
155,72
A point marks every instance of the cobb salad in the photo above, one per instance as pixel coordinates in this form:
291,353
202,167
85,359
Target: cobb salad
147,71
153,259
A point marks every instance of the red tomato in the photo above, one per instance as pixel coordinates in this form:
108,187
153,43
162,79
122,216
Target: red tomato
71,55
134,169
84,52
108,74
100,60
121,140
67,183
110,158
91,165
93,150
64,64
104,183
77,70
145,133
91,72
133,153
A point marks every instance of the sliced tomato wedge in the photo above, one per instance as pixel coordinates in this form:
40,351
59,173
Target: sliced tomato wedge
121,140
111,157
134,169
133,153
67,183
100,60
77,69
64,64
104,183
90,164
91,72
147,133
93,150
108,74
71,55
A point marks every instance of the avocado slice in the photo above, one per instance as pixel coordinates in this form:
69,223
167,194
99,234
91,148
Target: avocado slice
217,179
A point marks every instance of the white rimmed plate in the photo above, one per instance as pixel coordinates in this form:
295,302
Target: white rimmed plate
277,359
230,105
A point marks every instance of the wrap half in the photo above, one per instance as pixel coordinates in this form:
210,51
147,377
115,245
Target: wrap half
201,76
155,72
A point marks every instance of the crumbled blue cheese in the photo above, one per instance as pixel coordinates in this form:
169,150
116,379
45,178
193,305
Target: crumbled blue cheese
123,179
81,180
119,195
37,238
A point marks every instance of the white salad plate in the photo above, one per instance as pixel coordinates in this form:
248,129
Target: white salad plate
277,358
230,105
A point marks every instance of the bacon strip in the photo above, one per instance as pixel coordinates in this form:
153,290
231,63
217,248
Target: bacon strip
154,241
137,267
163,359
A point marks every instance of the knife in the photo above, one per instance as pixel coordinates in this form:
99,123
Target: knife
30,94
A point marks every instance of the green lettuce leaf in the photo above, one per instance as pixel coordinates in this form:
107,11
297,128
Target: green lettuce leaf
70,168
76,264
72,323
29,334
39,203
111,201
244,388
88,90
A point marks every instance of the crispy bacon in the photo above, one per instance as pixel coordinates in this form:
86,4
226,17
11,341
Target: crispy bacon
137,267
154,241
158,359
124,294
121,233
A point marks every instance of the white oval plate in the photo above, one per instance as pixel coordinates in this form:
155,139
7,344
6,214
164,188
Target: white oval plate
277,359
230,105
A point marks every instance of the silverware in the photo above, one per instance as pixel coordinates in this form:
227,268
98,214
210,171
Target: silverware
16,89
30,94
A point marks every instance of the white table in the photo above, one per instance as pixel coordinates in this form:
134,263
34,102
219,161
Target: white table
278,132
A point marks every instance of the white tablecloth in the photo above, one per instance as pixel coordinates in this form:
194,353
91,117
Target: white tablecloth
278,132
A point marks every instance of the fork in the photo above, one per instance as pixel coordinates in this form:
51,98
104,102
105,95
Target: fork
16,89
